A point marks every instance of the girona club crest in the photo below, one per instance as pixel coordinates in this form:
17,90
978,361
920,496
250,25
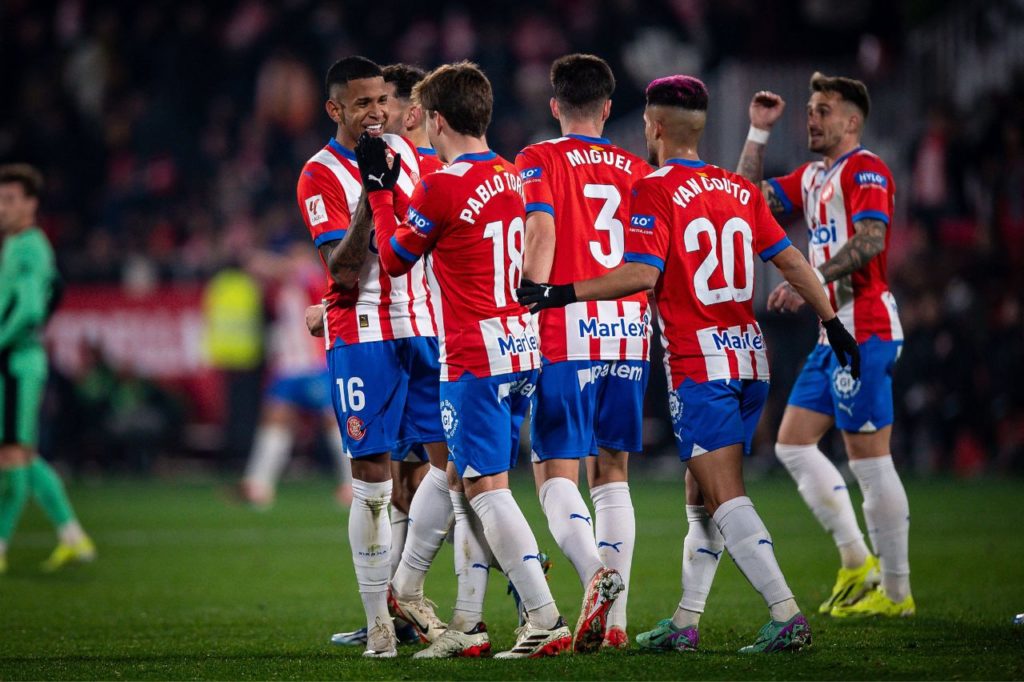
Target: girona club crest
355,427
828,192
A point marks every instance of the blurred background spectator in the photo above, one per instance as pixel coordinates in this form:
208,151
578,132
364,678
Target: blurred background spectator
171,134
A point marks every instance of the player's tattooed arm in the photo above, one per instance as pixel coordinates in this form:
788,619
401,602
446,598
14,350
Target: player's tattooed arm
346,256
765,109
751,164
868,242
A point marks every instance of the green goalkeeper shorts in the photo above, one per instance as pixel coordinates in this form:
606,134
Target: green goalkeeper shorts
22,380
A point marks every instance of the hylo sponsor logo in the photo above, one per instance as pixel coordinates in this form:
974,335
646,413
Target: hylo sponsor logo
642,222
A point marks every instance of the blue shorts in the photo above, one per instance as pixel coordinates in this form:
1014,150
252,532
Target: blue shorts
582,404
859,406
385,395
714,414
305,391
482,418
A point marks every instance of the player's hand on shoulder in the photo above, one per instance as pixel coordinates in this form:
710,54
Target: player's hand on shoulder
372,157
315,319
765,109
784,299
540,296
843,345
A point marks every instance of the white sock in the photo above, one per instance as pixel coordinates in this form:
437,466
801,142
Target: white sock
399,531
570,523
515,548
342,464
824,490
615,532
71,533
703,547
369,535
751,548
430,516
887,515
472,565
269,456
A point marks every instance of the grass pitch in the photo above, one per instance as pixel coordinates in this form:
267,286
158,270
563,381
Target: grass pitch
191,586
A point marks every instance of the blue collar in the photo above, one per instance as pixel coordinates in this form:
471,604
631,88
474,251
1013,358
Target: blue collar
341,149
844,157
587,138
477,156
427,151
687,162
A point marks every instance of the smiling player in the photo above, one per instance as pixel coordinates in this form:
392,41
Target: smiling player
847,201
380,338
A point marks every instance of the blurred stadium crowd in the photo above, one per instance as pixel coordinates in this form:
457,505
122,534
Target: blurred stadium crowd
171,134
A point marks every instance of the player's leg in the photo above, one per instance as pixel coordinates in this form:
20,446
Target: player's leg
14,488
430,511
466,635
482,418
272,446
564,405
809,415
714,423
73,545
561,433
703,547
370,387
618,427
430,518
866,424
406,474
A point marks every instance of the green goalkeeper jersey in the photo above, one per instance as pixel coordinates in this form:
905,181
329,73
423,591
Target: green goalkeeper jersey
28,281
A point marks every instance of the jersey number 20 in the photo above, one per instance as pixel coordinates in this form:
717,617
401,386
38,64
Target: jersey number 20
730,292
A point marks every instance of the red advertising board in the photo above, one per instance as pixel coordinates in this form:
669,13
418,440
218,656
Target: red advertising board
157,334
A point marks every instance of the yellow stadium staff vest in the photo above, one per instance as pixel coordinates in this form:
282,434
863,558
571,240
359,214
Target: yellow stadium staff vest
233,306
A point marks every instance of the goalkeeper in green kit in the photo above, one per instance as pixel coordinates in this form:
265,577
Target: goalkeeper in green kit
28,289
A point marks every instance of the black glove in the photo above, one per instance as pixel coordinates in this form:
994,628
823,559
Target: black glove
541,296
372,156
843,345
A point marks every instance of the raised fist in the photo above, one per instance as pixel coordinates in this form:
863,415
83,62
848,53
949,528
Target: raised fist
765,109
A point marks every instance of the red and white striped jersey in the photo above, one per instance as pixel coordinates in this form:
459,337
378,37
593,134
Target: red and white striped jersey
584,183
857,186
429,162
701,226
380,308
468,219
293,351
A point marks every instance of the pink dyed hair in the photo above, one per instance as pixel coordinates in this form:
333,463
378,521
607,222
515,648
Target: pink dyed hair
686,92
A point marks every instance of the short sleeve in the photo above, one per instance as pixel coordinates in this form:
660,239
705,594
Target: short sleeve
323,204
424,220
789,190
647,235
536,181
769,238
867,185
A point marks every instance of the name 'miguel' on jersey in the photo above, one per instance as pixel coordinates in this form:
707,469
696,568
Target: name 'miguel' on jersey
701,225
380,308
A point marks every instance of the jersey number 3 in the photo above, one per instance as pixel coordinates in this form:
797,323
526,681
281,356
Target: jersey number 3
607,222
704,273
